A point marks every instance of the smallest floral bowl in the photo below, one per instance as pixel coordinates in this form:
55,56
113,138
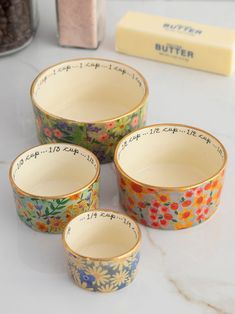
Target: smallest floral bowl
102,249
53,183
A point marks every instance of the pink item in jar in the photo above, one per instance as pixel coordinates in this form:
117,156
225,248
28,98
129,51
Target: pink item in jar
80,22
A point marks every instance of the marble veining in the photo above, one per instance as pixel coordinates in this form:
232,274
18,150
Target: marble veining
176,283
181,272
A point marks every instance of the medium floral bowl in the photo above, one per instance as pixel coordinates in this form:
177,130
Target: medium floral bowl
90,102
170,175
53,183
102,249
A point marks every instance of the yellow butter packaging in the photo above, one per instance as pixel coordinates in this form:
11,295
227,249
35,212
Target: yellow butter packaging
177,42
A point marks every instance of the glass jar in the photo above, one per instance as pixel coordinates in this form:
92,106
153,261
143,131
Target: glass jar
18,23
81,23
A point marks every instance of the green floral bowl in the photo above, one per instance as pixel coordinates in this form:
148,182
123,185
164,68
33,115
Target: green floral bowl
53,183
90,102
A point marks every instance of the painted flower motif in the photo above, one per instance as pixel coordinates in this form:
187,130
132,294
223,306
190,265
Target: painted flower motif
75,197
198,211
206,210
30,205
153,217
164,223
209,200
39,122
76,262
58,133
155,204
150,190
103,276
208,186
19,203
93,128
41,226
85,278
39,207
186,203
135,261
174,206
214,184
108,288
135,121
56,224
153,210
136,187
143,221
120,278
155,224
199,200
120,126
100,275
47,132
122,264
53,215
163,198
100,138
200,217
110,125
168,216
103,137
198,191
186,215
142,204
182,225
188,194
171,209
62,125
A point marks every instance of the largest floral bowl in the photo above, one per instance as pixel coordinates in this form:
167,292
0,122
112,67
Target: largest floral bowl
170,175
53,183
90,102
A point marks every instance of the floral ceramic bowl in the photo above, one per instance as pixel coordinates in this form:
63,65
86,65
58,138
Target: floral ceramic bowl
170,175
90,102
102,249
53,183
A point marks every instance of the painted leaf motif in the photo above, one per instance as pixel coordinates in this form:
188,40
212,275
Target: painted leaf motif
79,134
52,206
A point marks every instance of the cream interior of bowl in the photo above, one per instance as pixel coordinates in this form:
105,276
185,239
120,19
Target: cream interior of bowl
170,156
54,169
101,234
89,90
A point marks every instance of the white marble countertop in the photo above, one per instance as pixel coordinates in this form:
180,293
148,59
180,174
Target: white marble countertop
188,271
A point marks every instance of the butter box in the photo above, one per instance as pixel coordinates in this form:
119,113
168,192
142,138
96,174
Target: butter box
177,42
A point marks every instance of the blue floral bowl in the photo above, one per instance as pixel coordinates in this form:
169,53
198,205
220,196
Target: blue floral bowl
102,249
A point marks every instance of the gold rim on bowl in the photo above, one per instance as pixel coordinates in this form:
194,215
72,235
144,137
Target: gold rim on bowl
138,106
179,188
118,257
17,188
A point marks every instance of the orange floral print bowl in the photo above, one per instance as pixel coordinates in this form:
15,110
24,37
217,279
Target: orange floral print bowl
170,175
89,102
102,249
53,183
